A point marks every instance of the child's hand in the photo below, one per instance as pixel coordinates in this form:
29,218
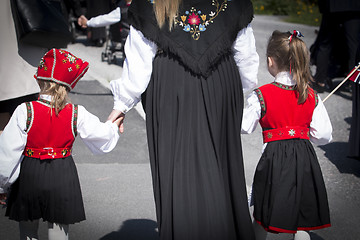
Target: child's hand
3,198
120,123
117,117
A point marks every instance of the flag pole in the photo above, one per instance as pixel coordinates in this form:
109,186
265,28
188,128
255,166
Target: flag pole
343,81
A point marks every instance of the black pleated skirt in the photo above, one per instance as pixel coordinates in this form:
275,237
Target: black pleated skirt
48,190
354,139
288,190
193,127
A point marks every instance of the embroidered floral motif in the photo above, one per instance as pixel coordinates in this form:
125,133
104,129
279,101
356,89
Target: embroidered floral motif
42,64
29,152
283,86
195,22
292,132
64,152
69,57
269,135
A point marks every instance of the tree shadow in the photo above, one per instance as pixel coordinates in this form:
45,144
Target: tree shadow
135,229
337,152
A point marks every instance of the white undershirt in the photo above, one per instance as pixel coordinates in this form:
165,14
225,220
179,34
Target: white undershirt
99,137
320,126
140,53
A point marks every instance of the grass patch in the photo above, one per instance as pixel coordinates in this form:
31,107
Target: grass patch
297,11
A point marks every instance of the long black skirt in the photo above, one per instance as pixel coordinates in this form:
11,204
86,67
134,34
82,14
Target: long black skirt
193,127
48,190
288,190
354,139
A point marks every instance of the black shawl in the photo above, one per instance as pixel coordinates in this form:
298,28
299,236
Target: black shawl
203,32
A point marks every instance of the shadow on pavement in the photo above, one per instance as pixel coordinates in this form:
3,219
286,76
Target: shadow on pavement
135,229
314,236
337,152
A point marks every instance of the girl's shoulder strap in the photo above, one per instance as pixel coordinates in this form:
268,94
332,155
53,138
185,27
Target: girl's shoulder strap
75,109
261,100
29,115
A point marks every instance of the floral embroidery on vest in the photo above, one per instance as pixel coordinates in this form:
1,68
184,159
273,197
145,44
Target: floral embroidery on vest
74,119
262,101
29,118
44,102
283,86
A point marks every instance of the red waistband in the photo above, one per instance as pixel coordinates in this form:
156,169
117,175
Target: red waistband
47,153
286,133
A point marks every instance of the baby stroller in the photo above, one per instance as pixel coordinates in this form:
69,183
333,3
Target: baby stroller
116,37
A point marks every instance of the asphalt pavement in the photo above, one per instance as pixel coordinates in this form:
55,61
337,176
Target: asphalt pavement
117,188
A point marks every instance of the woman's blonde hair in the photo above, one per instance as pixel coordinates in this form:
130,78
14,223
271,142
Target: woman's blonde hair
292,55
166,10
58,93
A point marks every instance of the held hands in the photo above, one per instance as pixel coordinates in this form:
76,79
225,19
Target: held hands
82,21
3,198
117,117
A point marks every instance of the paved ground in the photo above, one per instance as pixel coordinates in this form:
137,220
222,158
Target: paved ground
117,188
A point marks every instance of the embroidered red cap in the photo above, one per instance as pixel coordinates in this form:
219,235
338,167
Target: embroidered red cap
62,67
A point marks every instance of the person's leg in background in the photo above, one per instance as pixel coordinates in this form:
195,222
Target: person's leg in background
29,230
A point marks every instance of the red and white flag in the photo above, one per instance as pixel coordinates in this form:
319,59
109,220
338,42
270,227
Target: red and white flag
355,77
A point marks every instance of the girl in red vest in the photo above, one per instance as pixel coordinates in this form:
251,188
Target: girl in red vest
35,150
288,194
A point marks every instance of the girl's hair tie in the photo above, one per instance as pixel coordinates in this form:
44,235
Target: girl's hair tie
295,34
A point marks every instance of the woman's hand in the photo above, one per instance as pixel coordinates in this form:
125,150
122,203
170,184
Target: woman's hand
82,21
117,117
3,198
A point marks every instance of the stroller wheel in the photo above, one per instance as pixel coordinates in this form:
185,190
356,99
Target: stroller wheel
110,57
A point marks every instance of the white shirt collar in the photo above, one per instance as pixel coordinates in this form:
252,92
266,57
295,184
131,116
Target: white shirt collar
285,78
45,97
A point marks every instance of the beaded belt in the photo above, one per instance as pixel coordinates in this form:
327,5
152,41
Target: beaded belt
285,133
47,153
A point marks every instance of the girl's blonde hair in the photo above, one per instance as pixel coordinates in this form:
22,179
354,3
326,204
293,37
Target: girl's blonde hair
58,93
166,10
292,55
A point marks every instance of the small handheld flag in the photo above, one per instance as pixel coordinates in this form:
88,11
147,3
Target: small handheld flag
353,76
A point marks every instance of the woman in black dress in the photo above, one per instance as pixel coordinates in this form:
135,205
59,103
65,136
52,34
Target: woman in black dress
194,59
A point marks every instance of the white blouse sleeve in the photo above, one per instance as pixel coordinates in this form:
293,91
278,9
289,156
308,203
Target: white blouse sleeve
105,19
252,114
320,126
137,69
12,144
246,58
99,137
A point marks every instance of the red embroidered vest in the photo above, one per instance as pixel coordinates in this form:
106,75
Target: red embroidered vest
281,116
49,135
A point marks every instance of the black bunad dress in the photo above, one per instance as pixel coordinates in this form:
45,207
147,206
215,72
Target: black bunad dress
48,185
194,106
289,192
